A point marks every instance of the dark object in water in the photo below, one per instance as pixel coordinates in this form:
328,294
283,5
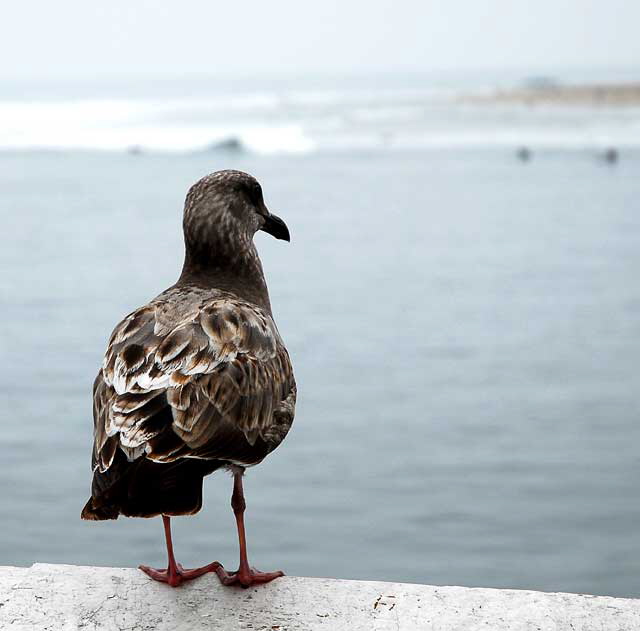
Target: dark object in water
541,82
231,144
611,155
524,154
134,150
197,380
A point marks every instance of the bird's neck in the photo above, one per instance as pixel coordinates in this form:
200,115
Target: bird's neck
238,272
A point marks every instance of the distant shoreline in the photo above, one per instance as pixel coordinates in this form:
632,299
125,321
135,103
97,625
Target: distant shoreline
594,95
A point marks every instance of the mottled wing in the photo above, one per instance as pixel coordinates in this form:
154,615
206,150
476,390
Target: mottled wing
215,383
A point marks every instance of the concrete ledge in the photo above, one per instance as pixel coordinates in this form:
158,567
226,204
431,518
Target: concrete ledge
67,597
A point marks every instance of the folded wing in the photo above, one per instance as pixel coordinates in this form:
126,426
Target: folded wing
213,383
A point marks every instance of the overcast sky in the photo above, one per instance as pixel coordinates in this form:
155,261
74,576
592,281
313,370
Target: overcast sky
85,37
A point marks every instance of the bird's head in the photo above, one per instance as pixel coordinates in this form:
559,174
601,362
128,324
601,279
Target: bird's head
227,207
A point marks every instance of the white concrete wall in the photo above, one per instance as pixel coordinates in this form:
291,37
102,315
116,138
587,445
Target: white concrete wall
67,597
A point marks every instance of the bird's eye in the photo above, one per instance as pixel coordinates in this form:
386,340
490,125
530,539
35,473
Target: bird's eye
255,193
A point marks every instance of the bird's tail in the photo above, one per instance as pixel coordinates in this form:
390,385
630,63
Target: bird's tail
143,488
98,513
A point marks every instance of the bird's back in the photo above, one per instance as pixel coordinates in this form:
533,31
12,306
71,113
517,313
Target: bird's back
197,379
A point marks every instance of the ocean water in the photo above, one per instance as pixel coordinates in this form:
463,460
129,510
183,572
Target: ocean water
304,115
465,330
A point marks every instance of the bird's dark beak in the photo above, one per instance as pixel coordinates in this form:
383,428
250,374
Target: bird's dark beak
276,227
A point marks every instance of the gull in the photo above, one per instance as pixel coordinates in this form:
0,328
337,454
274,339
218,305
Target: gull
196,380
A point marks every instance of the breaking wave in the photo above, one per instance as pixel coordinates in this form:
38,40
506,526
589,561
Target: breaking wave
306,121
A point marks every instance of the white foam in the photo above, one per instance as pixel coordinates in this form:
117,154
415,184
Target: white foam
300,122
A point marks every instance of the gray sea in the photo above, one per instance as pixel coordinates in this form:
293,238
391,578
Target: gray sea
465,330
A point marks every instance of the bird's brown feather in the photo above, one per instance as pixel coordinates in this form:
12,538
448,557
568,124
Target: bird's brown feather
210,382
199,378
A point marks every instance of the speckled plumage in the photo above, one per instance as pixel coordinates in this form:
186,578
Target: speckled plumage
199,378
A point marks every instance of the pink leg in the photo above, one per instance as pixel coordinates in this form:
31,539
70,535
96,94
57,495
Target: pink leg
245,575
175,574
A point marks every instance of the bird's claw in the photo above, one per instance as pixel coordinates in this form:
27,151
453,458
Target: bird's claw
246,577
178,575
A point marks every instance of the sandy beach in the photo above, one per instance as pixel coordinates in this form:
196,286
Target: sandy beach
596,95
